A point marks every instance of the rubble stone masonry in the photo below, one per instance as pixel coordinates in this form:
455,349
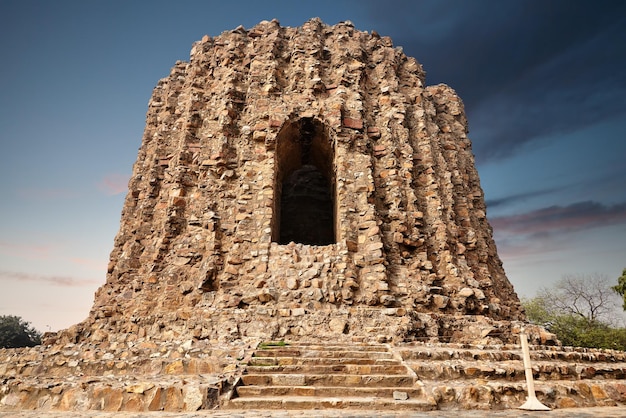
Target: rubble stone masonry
302,183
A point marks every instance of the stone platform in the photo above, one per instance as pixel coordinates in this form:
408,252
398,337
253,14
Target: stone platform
299,376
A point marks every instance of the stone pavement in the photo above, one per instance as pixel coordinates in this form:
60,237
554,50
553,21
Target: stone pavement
602,412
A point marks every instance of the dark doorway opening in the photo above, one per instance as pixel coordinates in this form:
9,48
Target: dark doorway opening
304,191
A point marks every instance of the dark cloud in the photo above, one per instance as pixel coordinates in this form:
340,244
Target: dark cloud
580,87
517,198
525,70
65,281
558,219
545,235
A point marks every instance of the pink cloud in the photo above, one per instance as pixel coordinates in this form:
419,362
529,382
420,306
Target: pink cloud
511,248
65,281
554,219
114,183
97,265
538,232
33,252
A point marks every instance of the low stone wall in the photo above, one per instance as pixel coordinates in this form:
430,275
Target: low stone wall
135,376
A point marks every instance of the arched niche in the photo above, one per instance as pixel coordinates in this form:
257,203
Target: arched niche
304,189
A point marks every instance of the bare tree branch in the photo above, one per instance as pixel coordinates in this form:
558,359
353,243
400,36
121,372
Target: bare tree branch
589,297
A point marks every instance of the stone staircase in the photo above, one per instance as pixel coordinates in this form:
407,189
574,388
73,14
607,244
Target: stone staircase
426,376
310,376
199,375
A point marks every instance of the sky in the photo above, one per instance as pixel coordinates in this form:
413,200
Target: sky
543,82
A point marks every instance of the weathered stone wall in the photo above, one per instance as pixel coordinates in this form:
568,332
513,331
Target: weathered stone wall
197,253
136,376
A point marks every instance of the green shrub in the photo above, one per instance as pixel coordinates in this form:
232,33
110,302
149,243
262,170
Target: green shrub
15,332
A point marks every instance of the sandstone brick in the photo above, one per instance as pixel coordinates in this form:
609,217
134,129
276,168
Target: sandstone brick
174,400
566,403
176,367
193,398
598,393
353,123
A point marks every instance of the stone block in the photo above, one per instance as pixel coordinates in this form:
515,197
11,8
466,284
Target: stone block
193,398
466,292
353,123
400,396
297,312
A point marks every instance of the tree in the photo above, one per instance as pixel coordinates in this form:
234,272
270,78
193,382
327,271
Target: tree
15,332
580,310
587,297
620,288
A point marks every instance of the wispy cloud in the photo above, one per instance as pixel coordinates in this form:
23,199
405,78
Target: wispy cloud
65,281
541,235
516,198
114,183
33,252
97,265
521,248
558,219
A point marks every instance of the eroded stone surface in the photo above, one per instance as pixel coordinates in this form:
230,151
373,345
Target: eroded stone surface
199,253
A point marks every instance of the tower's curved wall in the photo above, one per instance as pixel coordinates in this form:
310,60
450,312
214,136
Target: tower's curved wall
198,251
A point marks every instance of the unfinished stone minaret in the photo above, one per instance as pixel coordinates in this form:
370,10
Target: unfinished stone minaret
302,183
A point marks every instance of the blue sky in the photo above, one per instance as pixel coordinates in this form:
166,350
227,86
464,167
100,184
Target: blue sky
543,83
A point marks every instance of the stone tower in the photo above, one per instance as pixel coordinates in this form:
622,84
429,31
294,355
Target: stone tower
303,183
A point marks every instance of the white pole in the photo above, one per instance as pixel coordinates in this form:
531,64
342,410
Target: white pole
532,403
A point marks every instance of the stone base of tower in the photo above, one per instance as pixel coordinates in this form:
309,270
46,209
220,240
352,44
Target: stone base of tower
357,324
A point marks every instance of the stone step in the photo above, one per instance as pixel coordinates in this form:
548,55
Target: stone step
391,369
610,356
305,352
322,347
443,355
119,367
468,370
314,402
471,394
514,370
329,391
285,361
328,380
511,353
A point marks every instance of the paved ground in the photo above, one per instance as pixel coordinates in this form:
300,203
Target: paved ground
601,412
